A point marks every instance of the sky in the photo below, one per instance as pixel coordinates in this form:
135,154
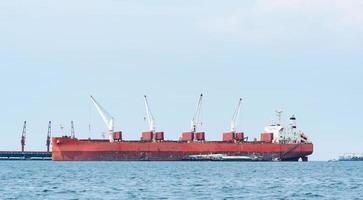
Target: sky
304,57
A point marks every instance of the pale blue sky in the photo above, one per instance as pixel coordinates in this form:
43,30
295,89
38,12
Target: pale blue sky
303,56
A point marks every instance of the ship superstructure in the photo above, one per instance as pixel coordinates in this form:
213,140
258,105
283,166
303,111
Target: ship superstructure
286,134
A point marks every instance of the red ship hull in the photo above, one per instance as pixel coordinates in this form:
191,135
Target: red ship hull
68,149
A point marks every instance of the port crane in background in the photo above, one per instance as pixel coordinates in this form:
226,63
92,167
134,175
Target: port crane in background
235,117
149,116
23,137
196,121
49,135
107,118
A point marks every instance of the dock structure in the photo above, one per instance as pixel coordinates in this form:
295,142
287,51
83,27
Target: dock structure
28,155
25,155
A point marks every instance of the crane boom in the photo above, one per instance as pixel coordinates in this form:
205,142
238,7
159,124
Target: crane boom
236,116
107,118
196,118
149,115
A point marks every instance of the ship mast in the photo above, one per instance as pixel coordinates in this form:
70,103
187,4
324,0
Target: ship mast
236,116
196,119
149,116
72,130
107,118
279,114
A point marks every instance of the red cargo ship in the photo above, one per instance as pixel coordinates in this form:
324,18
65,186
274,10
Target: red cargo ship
70,149
278,143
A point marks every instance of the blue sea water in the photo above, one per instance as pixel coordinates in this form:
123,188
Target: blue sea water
180,180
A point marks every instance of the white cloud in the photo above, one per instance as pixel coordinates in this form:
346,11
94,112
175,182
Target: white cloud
347,13
284,21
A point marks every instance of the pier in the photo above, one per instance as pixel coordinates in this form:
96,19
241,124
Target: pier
25,155
29,155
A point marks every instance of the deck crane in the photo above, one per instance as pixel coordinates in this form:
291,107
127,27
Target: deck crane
149,116
49,135
196,119
23,137
107,118
235,117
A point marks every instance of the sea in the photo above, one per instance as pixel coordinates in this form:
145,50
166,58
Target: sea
180,180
